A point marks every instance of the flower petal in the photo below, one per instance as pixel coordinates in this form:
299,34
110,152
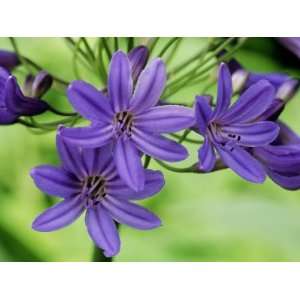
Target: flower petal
286,135
138,57
154,182
252,103
89,102
159,147
207,156
224,92
242,163
131,214
291,182
55,181
203,113
149,87
60,215
92,136
251,135
103,231
119,81
8,59
165,119
70,156
129,165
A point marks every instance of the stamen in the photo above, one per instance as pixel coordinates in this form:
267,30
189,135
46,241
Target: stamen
123,123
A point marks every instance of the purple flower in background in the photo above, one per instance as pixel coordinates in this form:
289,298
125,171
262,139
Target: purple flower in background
88,181
231,130
129,118
8,59
13,103
291,43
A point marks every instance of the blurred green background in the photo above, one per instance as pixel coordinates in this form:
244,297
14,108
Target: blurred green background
211,217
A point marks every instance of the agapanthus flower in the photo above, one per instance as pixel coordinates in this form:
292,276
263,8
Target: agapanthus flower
8,59
88,181
231,130
291,43
13,103
129,118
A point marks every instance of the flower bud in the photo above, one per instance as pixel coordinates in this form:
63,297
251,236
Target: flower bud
239,80
287,90
41,84
138,58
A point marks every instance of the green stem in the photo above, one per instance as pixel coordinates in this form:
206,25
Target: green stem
151,44
167,46
147,161
88,49
106,47
98,256
116,44
130,43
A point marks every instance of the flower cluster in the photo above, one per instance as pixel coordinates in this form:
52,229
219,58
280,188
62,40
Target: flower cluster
130,122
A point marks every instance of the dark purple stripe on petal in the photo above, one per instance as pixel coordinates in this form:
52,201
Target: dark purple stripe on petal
159,147
252,103
165,119
55,181
224,91
89,137
60,215
129,165
207,156
103,231
242,163
119,81
89,102
149,87
251,135
203,113
289,182
131,214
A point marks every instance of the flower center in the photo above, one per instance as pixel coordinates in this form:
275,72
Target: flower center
93,190
123,123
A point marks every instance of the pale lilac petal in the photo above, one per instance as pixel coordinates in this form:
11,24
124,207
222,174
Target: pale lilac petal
224,92
149,87
207,156
159,147
242,163
203,113
60,215
252,103
92,136
154,182
70,156
55,181
251,135
89,102
119,81
129,165
165,119
138,57
131,214
103,231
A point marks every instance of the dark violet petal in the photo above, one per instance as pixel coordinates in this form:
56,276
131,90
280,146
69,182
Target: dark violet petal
119,81
159,147
131,214
224,91
8,59
149,87
89,102
291,43
154,182
203,113
276,79
88,137
60,215
7,117
251,104
287,135
129,165
165,119
55,181
251,135
70,156
285,181
207,156
273,111
103,231
41,83
18,104
242,163
138,57
98,160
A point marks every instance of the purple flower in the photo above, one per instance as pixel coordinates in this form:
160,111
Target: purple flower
88,181
231,130
129,118
8,59
13,103
291,43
